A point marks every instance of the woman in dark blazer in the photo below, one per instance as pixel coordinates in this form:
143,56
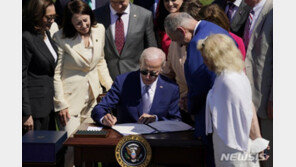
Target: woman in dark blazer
38,63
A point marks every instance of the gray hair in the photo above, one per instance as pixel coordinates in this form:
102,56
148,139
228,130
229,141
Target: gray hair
175,20
152,53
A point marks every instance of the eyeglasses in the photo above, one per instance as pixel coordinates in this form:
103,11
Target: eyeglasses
50,17
151,73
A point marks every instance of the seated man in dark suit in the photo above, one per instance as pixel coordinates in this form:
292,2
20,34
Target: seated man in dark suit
141,96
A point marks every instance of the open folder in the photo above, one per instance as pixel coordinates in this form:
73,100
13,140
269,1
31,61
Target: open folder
155,127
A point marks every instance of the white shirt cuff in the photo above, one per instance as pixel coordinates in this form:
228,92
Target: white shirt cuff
101,120
156,118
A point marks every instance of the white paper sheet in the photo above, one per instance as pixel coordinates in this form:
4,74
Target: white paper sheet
258,145
170,126
132,129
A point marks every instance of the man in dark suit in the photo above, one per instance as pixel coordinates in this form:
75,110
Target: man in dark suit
141,96
185,30
129,30
60,6
237,12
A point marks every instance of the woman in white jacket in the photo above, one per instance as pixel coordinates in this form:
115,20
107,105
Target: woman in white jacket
230,114
81,67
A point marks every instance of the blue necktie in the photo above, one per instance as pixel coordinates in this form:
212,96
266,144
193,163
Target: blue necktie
146,99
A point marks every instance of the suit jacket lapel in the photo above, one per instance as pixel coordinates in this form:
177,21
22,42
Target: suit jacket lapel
109,36
138,91
259,22
241,16
131,26
54,47
96,54
78,46
158,95
41,46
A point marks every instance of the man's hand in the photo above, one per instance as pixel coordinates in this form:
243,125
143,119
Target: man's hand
64,116
146,118
109,120
270,110
28,123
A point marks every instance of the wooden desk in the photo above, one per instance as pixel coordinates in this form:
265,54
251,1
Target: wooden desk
167,148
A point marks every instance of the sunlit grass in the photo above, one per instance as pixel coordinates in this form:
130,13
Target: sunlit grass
206,2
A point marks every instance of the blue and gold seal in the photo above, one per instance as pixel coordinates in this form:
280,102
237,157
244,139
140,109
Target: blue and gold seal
133,151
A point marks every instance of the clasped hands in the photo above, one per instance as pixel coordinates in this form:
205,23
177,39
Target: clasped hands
110,120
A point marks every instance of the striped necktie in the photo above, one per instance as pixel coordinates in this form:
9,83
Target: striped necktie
247,33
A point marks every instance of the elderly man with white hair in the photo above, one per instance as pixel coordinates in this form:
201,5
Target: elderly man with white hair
142,96
185,30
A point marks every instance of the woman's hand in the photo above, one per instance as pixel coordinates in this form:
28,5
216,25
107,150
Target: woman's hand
64,116
28,123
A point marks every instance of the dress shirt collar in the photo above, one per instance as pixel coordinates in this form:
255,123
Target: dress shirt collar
195,28
152,86
126,11
257,8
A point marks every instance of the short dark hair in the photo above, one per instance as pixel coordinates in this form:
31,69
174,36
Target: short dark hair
192,7
215,14
75,7
32,15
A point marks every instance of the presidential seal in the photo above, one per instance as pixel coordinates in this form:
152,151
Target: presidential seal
133,150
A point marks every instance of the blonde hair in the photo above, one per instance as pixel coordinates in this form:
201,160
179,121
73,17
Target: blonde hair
220,53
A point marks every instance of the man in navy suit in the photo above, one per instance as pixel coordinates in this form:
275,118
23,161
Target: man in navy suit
185,30
141,96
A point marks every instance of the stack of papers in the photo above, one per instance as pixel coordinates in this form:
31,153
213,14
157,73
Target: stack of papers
155,127
170,126
133,129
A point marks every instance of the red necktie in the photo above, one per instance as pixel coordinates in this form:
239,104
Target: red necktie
119,33
247,32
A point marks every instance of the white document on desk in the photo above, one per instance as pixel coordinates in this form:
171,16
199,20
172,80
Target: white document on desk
170,126
132,129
